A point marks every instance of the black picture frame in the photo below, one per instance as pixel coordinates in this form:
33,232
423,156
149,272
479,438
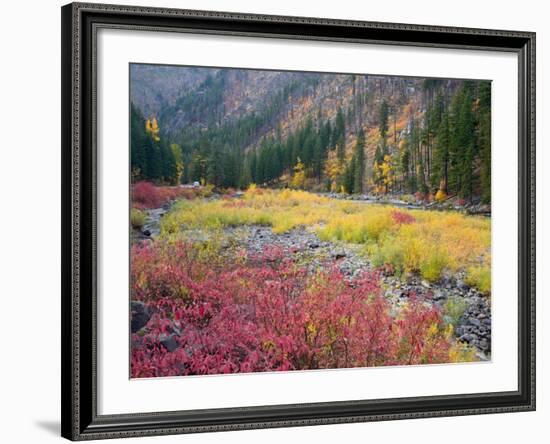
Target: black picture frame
80,420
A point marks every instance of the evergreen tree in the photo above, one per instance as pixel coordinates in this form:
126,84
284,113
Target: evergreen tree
253,166
138,143
485,139
454,184
359,166
349,179
383,117
215,173
465,139
441,156
339,135
405,165
168,163
179,164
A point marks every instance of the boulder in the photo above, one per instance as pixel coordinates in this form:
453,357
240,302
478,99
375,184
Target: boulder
474,321
169,343
140,315
339,255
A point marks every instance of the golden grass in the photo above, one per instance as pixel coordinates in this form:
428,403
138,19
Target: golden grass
426,242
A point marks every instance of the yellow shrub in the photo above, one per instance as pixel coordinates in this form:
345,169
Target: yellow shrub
461,352
479,277
137,218
440,196
433,266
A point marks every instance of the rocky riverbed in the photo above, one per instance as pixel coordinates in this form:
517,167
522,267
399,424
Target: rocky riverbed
475,207
465,307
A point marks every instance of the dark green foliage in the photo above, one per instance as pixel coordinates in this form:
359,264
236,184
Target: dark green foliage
348,180
384,112
484,131
150,159
440,173
139,143
451,151
359,167
339,135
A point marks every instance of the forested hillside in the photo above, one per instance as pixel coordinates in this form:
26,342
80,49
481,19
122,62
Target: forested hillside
319,132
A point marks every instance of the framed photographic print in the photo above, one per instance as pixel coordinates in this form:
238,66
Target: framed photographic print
281,221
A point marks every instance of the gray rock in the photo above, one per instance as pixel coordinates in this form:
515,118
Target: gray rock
140,315
474,321
468,337
484,344
339,255
169,343
461,285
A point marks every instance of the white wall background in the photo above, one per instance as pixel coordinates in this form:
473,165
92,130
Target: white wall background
30,221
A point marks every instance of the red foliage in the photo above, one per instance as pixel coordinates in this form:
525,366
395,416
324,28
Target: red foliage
147,195
420,196
268,315
400,217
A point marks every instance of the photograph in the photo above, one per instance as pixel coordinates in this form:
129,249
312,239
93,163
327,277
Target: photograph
294,220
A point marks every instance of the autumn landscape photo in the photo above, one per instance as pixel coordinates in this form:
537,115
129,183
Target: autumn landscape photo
284,221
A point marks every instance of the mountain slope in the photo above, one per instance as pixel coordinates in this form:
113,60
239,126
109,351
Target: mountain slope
244,117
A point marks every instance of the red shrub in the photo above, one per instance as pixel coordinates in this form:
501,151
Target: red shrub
268,315
418,333
145,195
420,196
400,217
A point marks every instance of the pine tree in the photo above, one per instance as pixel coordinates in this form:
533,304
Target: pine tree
359,167
253,166
340,135
405,164
441,155
454,183
348,179
383,117
465,139
168,163
138,143
214,168
485,139
179,165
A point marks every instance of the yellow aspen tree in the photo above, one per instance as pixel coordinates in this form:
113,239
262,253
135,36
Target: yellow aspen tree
299,177
152,128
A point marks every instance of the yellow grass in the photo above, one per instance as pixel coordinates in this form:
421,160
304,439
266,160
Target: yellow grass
430,244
